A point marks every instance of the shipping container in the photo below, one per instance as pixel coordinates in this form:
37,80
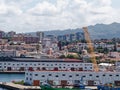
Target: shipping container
50,82
30,69
36,82
80,69
9,69
90,83
117,83
63,83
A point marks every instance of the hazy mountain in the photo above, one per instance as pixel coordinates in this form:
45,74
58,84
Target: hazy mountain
105,31
96,31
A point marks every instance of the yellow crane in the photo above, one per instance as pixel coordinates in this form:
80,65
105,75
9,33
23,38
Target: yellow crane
91,50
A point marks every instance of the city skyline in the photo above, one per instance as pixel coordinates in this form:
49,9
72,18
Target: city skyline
40,15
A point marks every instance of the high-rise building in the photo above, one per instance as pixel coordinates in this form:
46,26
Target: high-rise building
40,35
2,34
11,34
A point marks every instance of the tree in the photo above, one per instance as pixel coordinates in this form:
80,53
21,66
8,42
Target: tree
106,50
62,56
70,56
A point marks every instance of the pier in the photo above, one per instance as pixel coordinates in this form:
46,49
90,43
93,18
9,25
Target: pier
13,86
12,72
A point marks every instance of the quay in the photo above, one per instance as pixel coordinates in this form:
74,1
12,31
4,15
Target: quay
12,86
12,72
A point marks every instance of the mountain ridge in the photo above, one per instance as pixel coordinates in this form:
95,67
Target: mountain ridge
98,31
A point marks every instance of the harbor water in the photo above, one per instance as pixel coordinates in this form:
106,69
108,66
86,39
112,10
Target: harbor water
10,78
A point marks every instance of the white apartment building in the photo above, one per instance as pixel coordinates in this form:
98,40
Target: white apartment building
114,54
8,53
71,77
117,66
22,64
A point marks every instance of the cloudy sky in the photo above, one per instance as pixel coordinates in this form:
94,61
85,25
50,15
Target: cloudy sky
40,15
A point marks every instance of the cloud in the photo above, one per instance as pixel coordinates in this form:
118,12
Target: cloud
43,9
34,15
7,10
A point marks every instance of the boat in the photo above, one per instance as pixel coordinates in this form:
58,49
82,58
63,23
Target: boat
48,87
109,86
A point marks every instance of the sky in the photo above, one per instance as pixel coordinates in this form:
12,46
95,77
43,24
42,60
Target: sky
43,15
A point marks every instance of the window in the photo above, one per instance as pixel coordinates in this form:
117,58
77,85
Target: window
90,75
56,76
30,78
43,75
103,74
90,67
63,74
97,76
84,76
36,74
8,63
77,74
50,74
26,78
117,75
70,76
110,75
34,64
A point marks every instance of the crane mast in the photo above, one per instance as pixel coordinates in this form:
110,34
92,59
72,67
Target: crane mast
90,46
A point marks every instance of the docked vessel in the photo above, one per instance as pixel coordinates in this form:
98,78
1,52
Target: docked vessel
109,86
46,87
49,87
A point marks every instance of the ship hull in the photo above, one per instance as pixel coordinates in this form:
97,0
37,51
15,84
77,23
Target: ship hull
107,88
50,88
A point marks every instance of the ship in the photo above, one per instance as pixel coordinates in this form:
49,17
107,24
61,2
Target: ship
108,86
47,86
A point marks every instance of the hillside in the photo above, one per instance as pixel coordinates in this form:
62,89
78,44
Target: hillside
97,31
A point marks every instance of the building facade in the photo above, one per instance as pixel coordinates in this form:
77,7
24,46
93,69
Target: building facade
70,78
23,64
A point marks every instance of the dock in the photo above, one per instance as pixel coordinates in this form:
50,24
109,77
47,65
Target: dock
12,86
12,72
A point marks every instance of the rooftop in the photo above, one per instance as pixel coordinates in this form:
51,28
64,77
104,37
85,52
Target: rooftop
37,60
